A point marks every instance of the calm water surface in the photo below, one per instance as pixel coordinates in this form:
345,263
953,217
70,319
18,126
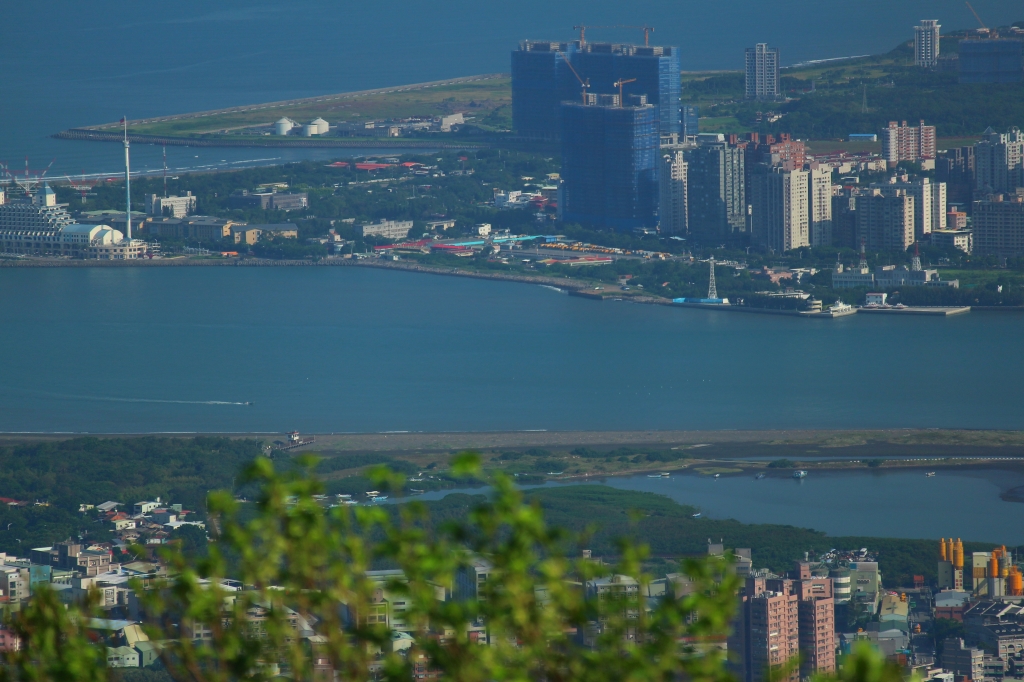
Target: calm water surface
902,504
357,349
67,64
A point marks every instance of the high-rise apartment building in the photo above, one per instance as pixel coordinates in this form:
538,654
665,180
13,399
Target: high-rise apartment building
672,213
609,163
955,167
769,621
999,162
816,618
844,218
762,72
929,202
998,223
885,221
819,206
542,79
716,193
690,120
926,43
991,60
908,143
780,212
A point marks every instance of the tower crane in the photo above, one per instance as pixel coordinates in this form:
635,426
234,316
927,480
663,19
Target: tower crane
584,84
83,186
970,7
27,181
619,83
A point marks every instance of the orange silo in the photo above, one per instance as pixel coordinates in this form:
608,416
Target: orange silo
993,565
942,550
958,554
1015,582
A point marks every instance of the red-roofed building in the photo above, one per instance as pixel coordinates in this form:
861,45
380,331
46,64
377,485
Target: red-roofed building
338,164
373,166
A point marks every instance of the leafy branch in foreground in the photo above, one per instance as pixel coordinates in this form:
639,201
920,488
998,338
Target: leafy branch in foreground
355,593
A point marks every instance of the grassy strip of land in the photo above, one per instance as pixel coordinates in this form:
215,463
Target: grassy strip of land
483,98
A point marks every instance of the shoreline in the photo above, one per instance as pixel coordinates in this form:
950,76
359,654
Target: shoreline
573,287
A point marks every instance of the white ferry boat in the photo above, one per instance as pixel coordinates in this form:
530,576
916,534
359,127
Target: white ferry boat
839,309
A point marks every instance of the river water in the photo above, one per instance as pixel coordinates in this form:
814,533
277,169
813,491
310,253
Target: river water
878,503
352,349
68,64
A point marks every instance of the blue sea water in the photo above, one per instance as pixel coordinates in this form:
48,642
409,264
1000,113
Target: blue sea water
349,349
66,64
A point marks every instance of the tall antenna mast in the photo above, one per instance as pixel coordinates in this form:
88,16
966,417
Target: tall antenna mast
712,290
165,171
127,181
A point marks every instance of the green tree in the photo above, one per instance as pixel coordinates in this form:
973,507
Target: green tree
291,563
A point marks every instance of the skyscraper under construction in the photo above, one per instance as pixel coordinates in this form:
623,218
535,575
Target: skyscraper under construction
545,74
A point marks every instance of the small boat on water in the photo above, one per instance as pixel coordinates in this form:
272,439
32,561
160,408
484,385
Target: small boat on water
380,498
697,515
800,474
717,475
760,476
653,475
929,474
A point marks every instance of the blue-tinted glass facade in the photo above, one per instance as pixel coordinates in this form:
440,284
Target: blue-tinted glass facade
539,76
540,81
690,119
991,61
609,165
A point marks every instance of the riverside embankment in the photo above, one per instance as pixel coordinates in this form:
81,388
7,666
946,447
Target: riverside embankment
569,285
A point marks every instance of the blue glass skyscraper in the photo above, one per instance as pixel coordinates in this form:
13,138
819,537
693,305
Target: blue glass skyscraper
691,118
539,73
540,82
609,157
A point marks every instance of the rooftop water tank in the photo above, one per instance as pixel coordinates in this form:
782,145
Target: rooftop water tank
283,126
322,126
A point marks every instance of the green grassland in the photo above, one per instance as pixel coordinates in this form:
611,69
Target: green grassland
488,101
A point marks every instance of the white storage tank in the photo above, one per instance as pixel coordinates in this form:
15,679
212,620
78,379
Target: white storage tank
322,126
283,126
309,130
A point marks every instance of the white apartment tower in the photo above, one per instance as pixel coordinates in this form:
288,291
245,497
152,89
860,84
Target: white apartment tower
672,207
762,70
926,43
819,203
999,162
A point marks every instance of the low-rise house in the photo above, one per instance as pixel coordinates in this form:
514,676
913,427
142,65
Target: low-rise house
122,657
9,641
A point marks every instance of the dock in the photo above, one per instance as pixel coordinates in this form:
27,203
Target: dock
909,310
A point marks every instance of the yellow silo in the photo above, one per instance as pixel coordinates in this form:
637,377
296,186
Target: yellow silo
942,550
1015,582
958,554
